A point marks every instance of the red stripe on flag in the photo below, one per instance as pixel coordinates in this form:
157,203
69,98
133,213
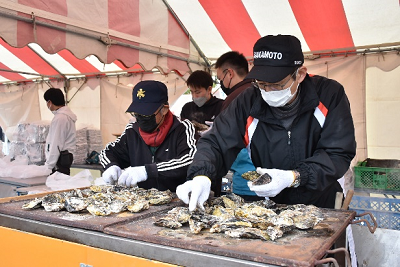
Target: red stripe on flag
233,23
10,75
31,59
79,64
323,24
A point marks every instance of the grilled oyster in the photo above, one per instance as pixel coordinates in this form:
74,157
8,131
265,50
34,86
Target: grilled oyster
231,224
222,213
117,206
174,218
168,221
250,175
156,197
199,221
256,178
138,205
99,209
53,202
182,214
75,204
274,232
260,211
33,204
253,233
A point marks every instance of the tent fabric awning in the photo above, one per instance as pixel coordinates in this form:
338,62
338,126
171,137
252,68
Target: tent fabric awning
321,26
129,31
32,63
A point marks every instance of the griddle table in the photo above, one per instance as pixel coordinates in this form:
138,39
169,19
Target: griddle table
136,235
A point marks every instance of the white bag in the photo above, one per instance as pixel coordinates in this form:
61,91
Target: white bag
19,168
60,181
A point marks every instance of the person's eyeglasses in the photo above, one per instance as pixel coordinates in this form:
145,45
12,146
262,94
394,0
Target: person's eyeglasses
137,115
273,86
221,80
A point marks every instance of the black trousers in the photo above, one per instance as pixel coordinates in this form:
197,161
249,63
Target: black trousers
64,163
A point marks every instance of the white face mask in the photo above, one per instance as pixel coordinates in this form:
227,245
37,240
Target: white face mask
52,111
278,98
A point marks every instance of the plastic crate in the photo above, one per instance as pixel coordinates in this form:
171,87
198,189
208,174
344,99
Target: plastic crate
376,177
386,211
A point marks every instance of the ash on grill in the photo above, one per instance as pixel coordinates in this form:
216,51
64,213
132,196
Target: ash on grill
231,216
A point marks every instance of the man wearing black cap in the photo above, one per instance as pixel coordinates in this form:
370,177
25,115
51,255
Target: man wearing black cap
296,128
156,150
61,139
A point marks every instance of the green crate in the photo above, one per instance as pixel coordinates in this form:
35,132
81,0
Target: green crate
376,178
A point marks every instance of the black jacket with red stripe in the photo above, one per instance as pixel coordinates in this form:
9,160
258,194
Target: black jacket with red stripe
320,144
167,167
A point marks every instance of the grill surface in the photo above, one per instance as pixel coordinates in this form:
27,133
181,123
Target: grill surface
297,248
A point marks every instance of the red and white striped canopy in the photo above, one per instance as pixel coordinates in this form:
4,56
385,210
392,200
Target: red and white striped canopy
321,25
68,37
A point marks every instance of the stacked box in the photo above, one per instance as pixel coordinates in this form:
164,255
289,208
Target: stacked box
94,140
81,150
386,211
379,178
30,141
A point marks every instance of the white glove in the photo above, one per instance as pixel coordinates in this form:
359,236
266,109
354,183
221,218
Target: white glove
110,176
133,175
200,187
209,123
280,180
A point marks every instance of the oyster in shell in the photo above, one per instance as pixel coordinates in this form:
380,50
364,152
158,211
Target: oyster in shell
256,178
199,221
33,204
252,233
53,202
75,204
99,209
168,221
138,205
174,218
250,175
274,232
231,224
156,197
117,206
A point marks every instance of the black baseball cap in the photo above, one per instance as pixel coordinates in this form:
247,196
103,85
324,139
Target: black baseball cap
275,57
147,97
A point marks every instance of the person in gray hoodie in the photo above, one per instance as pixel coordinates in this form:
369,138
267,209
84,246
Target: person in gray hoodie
61,139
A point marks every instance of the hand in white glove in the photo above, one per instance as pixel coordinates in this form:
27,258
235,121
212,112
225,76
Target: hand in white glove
133,175
280,180
209,123
110,176
200,187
